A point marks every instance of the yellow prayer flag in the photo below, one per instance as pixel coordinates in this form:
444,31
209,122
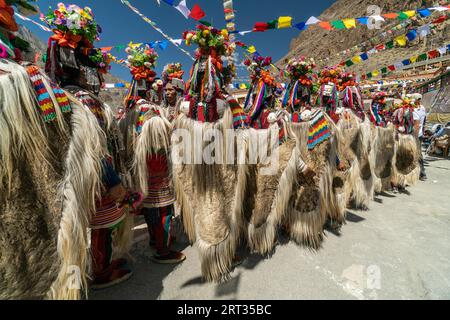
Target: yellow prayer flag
401,40
251,49
410,13
375,73
284,22
349,23
242,86
413,59
356,59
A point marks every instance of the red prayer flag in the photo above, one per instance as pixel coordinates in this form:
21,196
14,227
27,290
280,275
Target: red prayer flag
392,68
433,54
440,19
260,27
390,15
197,12
325,25
380,47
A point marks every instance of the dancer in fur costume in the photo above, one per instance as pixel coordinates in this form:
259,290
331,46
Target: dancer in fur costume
77,66
352,102
314,198
384,144
354,178
268,196
406,170
51,148
152,173
210,193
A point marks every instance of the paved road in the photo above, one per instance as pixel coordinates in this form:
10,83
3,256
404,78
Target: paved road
399,249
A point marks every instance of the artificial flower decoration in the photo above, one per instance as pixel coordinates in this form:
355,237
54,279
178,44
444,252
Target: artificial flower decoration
72,25
172,71
257,67
301,69
348,79
211,41
141,61
331,74
100,58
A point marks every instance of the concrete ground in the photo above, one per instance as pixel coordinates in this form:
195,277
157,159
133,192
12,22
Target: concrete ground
399,249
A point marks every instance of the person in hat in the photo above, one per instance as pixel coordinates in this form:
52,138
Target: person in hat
173,83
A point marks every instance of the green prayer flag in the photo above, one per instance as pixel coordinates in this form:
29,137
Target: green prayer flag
205,23
349,63
369,75
384,70
338,24
390,44
422,57
272,24
403,16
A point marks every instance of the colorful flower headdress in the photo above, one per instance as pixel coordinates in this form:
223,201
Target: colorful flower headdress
141,60
330,74
211,41
11,45
72,25
298,67
257,66
348,79
172,71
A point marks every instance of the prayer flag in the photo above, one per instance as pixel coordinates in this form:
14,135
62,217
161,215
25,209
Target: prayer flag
260,27
182,7
312,20
338,24
401,40
284,22
197,13
349,23
326,25
301,26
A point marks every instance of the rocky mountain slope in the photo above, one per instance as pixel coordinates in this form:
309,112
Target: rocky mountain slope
323,44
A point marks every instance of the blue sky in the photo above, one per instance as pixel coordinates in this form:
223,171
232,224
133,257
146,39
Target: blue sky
121,25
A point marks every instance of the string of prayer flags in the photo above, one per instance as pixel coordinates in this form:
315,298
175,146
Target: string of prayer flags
348,23
155,26
432,54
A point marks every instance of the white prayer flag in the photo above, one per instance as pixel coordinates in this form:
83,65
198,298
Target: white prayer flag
312,20
182,7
